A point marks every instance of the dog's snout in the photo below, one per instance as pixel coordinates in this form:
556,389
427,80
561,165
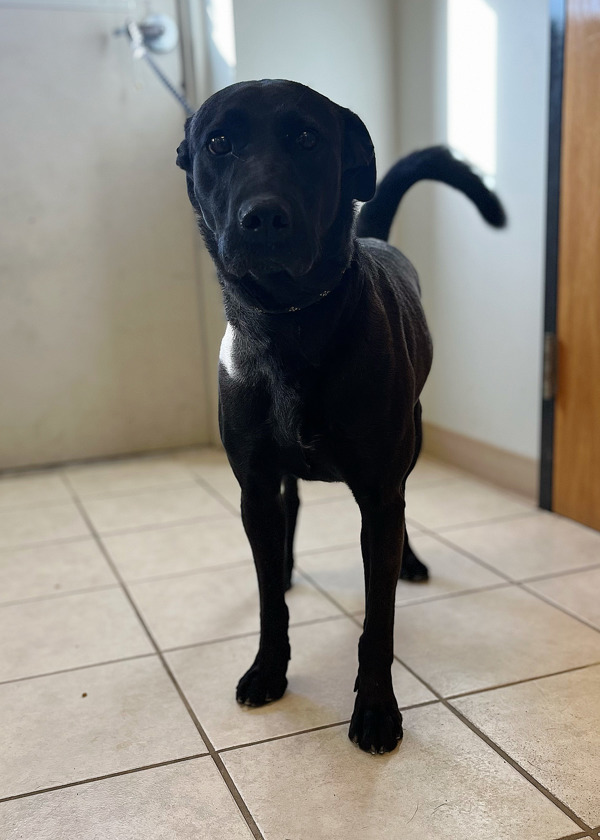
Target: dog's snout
264,219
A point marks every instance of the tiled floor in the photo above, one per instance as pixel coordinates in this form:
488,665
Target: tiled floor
128,610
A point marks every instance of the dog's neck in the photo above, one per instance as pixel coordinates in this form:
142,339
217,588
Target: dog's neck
311,323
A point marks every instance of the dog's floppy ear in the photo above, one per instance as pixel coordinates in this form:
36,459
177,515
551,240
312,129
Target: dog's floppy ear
358,158
184,160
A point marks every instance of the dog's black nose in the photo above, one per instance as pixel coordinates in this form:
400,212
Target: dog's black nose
264,220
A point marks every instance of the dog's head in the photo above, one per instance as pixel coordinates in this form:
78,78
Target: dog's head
272,167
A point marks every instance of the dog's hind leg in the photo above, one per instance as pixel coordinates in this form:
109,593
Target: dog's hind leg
291,505
412,569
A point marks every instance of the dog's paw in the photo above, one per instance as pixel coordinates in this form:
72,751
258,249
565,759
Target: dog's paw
413,570
376,728
258,687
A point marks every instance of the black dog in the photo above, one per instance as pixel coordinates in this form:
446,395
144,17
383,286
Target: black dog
326,349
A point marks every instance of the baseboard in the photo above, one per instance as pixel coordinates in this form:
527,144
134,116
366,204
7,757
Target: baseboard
513,472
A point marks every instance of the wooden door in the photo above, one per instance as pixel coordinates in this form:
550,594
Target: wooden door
576,468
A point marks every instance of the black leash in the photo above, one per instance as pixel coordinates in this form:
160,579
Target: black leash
137,36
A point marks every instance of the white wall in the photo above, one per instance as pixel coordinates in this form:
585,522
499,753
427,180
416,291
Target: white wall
483,289
99,314
342,48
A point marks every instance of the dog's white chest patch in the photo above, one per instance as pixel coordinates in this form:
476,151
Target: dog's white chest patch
226,353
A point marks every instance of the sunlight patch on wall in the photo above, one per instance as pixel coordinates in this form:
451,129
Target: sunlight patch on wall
221,32
472,81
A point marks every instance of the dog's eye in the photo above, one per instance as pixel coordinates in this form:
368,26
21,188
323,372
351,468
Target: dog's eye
307,139
220,145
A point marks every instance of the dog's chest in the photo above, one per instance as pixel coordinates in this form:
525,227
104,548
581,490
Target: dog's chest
296,409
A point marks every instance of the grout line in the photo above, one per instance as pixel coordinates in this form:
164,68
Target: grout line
237,797
234,564
145,455
466,553
77,668
559,607
117,532
42,504
284,736
56,541
557,802
316,728
507,517
564,573
12,547
581,836
446,596
163,526
136,491
115,775
516,766
51,596
252,633
248,635
518,583
477,691
427,599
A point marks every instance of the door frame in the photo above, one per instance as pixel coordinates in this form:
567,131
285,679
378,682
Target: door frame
557,47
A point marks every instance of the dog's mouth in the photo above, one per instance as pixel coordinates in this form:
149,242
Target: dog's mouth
269,265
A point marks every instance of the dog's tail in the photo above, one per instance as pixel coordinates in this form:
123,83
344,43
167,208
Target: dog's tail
434,164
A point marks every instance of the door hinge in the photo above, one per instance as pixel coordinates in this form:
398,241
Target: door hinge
550,365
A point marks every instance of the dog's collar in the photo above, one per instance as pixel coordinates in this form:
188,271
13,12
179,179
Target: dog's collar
333,274
312,302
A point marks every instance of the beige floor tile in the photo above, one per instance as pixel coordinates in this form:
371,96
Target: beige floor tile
430,471
313,492
551,727
484,639
321,679
328,525
32,489
212,466
32,525
579,592
38,637
461,501
186,801
126,476
443,782
81,724
153,507
531,545
48,569
179,548
216,604
340,573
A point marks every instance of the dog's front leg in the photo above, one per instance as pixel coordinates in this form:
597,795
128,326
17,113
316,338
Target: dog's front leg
264,521
376,724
